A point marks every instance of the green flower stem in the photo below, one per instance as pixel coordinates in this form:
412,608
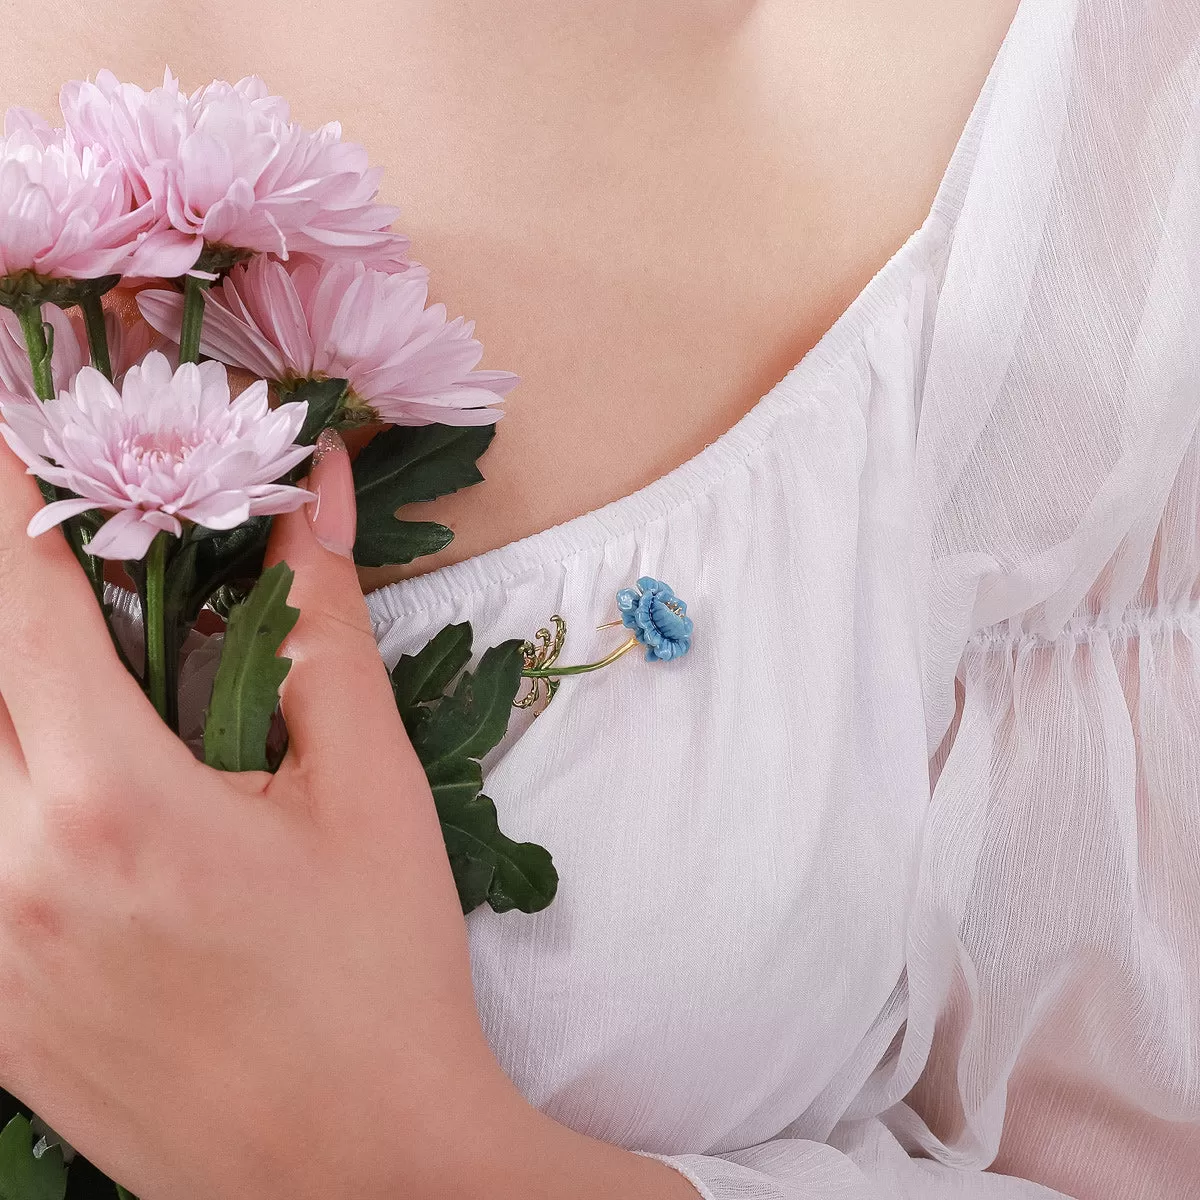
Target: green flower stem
97,334
41,356
156,648
556,672
93,567
193,318
40,349
181,606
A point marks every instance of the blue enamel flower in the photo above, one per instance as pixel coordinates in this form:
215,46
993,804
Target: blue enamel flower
658,619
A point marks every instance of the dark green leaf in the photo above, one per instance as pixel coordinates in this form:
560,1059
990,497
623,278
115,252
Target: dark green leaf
23,1177
524,878
417,678
383,541
414,718
451,733
408,464
455,781
88,1182
9,1107
226,556
226,597
45,1137
220,545
324,398
472,868
474,718
122,1194
519,874
246,690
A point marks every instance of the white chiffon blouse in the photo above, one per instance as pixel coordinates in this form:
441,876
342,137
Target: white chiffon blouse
891,887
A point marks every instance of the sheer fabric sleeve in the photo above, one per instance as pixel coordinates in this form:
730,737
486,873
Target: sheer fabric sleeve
1054,951
868,1164
1055,918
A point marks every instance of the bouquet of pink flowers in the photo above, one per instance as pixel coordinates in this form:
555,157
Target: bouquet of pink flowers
255,244
243,240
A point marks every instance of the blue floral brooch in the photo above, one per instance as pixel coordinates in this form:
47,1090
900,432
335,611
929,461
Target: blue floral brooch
655,617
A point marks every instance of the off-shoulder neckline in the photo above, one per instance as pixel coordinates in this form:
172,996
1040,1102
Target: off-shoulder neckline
696,477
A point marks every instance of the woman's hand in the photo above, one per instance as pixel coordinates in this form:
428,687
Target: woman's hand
257,986
212,982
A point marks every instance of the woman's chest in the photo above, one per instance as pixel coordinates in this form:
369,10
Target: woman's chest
735,832
730,920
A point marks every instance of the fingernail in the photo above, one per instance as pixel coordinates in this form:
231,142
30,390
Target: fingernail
333,515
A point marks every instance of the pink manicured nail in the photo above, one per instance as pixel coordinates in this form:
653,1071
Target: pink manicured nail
333,515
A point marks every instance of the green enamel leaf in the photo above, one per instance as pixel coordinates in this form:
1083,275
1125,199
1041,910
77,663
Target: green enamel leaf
383,541
246,690
424,676
408,465
474,718
24,1177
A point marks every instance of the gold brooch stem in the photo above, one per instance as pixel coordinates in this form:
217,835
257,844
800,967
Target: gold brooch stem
555,672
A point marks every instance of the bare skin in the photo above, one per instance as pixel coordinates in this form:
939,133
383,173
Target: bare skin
652,210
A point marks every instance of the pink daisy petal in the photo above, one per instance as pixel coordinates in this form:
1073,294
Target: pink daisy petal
414,413
221,510
54,514
228,165
67,208
277,498
124,536
293,321
23,433
223,335
167,446
164,253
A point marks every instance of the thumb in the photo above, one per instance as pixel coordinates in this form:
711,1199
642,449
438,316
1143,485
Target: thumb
337,698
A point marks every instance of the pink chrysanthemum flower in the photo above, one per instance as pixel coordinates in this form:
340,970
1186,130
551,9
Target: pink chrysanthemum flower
167,447
405,363
67,210
126,345
227,166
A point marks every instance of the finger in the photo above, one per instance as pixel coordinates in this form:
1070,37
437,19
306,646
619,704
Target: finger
337,698
63,685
